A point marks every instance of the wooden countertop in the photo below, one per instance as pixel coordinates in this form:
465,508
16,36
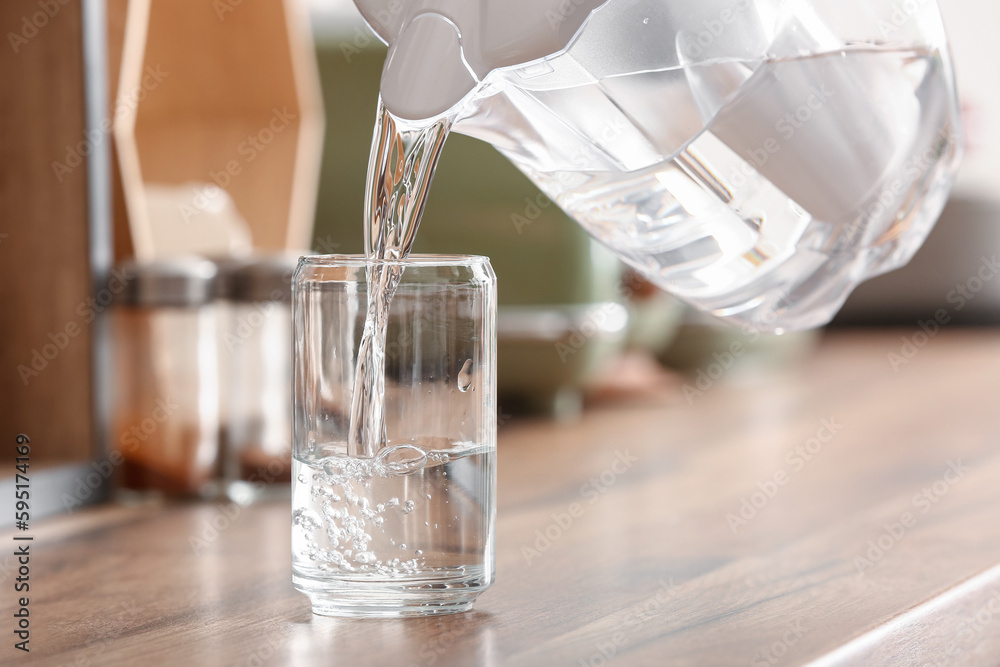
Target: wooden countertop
882,548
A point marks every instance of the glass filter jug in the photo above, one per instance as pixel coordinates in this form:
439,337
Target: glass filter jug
756,158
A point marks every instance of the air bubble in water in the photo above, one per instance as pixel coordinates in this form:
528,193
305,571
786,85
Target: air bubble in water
408,506
306,519
400,460
465,376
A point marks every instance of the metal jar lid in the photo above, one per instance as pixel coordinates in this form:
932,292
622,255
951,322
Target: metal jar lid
261,278
177,282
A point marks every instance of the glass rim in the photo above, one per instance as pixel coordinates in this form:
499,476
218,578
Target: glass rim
416,259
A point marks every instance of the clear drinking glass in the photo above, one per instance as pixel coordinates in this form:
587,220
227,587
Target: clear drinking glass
403,527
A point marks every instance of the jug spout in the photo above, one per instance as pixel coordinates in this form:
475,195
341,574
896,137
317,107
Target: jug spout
440,51
425,71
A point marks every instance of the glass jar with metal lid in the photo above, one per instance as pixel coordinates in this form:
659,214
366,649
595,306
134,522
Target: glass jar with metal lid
165,417
257,350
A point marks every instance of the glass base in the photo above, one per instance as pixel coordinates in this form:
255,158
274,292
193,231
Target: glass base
364,600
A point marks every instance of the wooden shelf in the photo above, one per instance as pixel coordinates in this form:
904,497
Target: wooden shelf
651,569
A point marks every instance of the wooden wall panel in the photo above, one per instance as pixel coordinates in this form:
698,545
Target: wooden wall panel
44,266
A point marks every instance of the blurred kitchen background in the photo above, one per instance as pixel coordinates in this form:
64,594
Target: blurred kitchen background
167,160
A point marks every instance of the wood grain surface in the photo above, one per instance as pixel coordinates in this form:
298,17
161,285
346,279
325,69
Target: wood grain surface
881,549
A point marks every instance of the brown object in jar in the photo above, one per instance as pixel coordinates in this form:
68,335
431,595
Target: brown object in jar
165,460
260,465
